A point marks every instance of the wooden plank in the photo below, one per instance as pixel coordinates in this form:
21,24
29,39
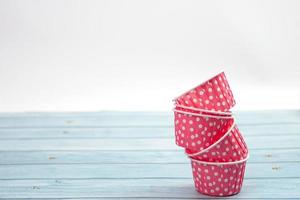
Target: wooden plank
133,188
111,157
138,171
247,114
263,142
143,198
119,155
147,198
135,132
124,119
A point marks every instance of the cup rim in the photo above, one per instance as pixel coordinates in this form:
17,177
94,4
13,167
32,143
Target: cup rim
220,163
203,110
202,115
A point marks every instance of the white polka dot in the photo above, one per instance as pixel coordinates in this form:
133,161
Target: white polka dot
207,101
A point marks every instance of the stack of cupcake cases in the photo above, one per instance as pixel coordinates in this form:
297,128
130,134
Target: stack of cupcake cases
206,128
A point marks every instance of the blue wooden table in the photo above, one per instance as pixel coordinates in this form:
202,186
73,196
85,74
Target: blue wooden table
127,155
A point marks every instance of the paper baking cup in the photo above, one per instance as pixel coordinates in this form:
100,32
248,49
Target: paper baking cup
230,147
198,131
214,95
218,179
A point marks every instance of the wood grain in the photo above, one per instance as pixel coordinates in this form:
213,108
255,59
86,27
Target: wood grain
117,155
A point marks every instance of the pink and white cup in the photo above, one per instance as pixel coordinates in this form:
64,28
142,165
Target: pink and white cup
218,179
230,147
197,131
213,95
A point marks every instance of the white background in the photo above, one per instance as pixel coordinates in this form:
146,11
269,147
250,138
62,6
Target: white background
137,55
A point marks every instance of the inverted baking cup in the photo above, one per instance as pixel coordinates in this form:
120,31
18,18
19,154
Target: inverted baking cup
206,129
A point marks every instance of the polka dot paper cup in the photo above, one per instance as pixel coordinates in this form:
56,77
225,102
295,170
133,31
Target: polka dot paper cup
230,147
213,95
218,179
199,131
